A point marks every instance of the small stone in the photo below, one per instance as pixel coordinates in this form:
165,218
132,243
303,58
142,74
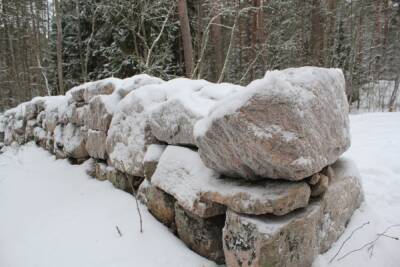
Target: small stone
320,187
100,171
202,235
123,181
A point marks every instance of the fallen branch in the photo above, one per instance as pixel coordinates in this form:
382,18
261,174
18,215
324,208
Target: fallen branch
137,207
347,239
119,232
370,245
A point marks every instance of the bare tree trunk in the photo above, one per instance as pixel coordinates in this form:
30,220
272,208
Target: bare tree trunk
216,36
330,33
59,47
377,38
392,103
317,35
81,61
186,37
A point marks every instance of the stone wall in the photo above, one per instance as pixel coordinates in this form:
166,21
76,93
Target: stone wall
249,176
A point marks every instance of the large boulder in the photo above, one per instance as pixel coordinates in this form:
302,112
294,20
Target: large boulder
288,125
298,237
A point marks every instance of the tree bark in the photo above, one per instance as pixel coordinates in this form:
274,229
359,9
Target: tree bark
59,48
216,36
317,42
186,37
392,103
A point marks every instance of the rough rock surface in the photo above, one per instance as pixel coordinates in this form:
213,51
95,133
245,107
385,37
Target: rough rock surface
75,142
276,197
129,133
161,205
100,112
76,114
182,174
296,238
203,235
130,84
198,189
173,120
102,87
288,125
173,123
96,144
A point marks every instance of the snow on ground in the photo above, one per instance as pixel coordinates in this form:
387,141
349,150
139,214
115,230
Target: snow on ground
53,214
376,150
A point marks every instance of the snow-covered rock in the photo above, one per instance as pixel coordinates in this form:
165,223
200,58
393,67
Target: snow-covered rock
77,114
74,141
173,121
96,144
132,83
266,197
182,174
297,238
289,125
164,112
151,159
100,111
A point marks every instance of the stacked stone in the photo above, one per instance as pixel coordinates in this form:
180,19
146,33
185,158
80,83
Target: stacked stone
101,102
250,176
267,165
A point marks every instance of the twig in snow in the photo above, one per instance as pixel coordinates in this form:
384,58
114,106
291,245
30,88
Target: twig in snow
137,207
347,239
119,232
370,245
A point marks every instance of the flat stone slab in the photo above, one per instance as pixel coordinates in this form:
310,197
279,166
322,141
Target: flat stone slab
181,173
298,237
276,197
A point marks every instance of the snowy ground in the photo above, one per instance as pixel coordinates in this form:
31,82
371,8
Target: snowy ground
53,214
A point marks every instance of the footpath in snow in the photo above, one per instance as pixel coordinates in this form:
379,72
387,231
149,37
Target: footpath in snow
53,214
